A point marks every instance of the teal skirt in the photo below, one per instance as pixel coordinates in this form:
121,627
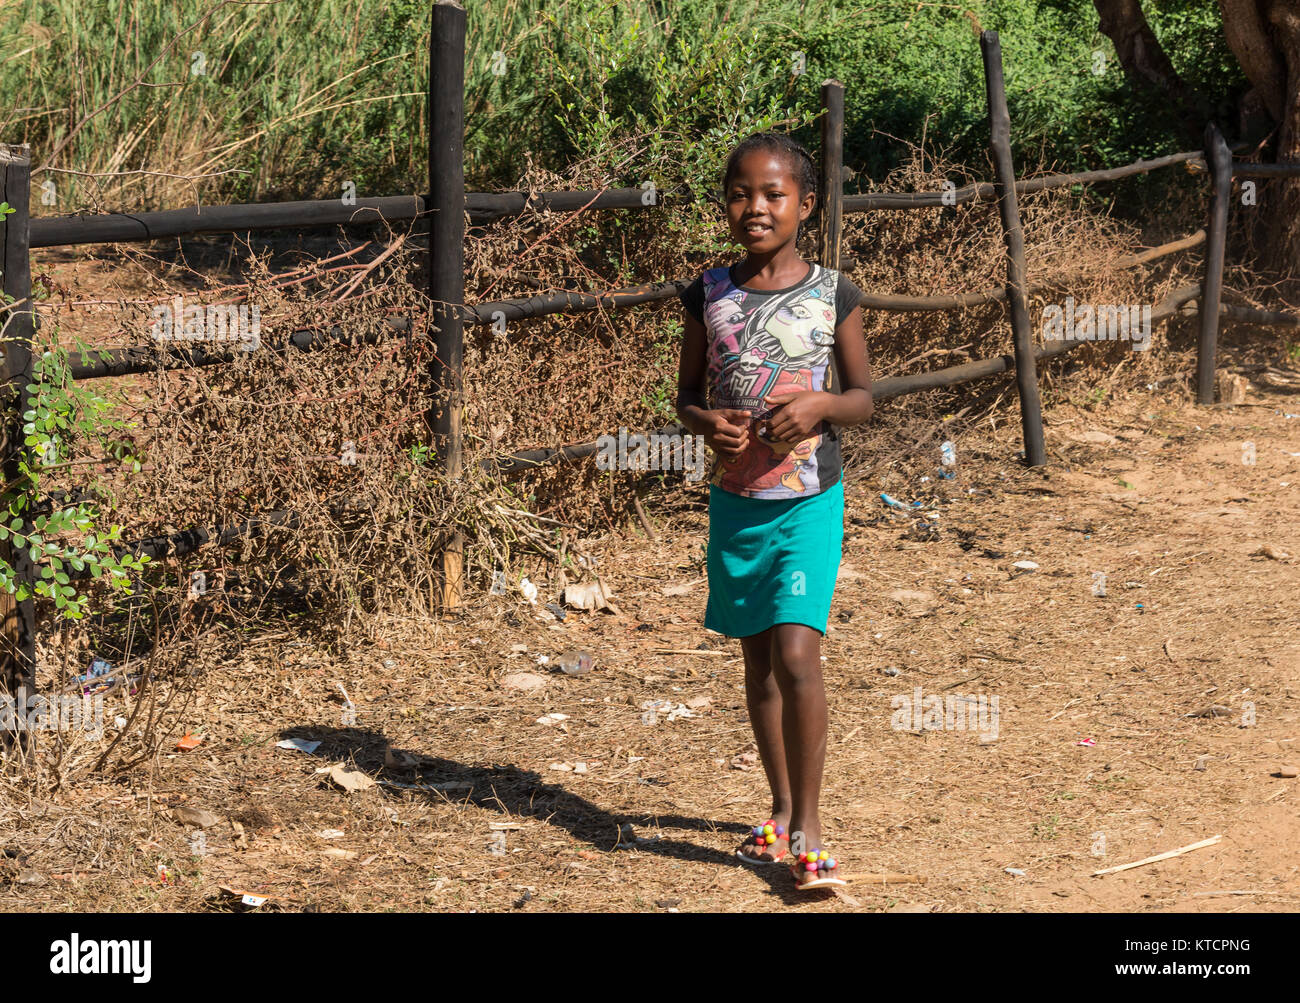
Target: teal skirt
772,560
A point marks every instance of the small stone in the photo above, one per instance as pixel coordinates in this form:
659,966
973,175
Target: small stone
1214,710
579,767
551,720
526,682
350,780
195,816
1025,566
1016,871
1288,772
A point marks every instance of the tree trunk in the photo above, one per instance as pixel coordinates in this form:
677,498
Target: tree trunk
1145,63
1264,35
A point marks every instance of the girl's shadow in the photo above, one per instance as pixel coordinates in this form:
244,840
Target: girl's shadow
524,794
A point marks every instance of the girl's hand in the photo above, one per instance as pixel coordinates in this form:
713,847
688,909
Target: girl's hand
728,434
798,414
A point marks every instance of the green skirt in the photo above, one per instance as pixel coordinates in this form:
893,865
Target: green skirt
772,560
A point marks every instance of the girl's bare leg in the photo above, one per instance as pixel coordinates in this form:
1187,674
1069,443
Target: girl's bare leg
763,698
796,666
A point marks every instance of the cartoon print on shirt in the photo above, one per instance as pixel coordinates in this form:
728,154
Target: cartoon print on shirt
765,345
803,328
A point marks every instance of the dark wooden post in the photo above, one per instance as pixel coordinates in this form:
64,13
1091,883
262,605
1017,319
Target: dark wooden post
1031,411
447,254
18,646
831,183
1218,158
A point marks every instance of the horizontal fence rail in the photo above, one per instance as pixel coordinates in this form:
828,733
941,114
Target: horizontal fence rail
984,191
149,358
483,207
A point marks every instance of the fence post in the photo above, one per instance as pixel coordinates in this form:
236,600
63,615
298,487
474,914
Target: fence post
447,255
1218,158
831,183
18,646
1031,412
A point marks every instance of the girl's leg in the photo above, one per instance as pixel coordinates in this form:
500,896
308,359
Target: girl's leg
763,698
797,667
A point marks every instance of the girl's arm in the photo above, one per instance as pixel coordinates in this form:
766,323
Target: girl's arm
853,404
692,405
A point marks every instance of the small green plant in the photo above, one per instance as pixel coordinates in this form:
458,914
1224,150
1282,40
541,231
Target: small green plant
1293,351
419,453
60,414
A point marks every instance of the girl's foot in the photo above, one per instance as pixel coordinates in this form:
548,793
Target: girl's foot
816,869
814,866
768,843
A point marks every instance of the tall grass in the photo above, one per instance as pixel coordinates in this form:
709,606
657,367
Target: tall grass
221,101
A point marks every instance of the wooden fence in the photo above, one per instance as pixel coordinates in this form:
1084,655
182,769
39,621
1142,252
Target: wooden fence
447,205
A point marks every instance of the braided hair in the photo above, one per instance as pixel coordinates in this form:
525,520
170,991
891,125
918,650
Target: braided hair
796,157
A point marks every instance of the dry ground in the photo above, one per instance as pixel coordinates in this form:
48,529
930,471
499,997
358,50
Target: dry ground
1194,616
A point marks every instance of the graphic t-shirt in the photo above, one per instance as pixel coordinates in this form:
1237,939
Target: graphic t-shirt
769,341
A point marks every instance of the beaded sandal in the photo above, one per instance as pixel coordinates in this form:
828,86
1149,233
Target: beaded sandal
817,866
765,837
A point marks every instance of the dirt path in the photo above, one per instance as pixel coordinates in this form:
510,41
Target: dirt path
1194,616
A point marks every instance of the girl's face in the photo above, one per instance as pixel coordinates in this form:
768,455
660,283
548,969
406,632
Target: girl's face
763,204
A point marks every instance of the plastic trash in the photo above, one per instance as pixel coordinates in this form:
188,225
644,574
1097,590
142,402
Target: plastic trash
298,745
1015,871
575,662
895,503
99,670
947,454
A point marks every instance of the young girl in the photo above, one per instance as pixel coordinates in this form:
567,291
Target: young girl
777,344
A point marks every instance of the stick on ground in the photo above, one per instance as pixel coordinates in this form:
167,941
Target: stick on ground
1160,856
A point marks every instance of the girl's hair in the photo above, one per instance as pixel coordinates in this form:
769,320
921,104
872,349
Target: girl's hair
798,159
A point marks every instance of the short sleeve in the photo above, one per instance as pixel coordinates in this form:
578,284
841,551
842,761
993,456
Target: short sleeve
847,296
692,298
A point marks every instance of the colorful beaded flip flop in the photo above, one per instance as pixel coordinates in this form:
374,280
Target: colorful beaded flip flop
818,864
765,837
